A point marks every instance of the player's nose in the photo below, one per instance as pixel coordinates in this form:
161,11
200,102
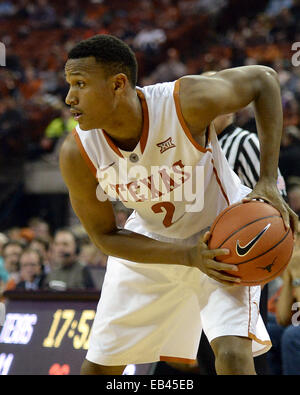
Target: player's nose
71,99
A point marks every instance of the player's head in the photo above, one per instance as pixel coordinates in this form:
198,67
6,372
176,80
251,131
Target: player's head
100,71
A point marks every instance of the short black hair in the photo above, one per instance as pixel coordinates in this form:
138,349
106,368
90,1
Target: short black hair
114,54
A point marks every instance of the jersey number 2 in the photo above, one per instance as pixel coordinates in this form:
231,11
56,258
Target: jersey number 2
169,208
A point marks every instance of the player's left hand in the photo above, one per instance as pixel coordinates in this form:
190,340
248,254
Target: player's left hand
268,192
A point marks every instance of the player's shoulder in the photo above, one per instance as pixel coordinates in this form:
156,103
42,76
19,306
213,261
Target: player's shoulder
197,94
70,156
201,84
69,149
74,168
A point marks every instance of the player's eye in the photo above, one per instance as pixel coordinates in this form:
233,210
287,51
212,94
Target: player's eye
80,84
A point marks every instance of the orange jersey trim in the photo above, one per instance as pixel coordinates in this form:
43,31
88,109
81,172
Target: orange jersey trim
263,342
112,144
176,359
182,121
219,182
84,154
251,335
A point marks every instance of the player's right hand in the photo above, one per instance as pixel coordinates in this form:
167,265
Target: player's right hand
203,258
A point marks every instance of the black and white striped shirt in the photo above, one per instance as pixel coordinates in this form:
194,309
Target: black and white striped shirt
242,151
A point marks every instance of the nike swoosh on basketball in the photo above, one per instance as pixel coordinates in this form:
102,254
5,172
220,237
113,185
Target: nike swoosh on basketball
243,250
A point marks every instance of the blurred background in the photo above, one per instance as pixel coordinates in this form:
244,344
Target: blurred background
171,38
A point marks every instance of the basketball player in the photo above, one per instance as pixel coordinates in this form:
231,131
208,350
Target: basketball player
143,146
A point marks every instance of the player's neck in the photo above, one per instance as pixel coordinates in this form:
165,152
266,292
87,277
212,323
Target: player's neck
127,128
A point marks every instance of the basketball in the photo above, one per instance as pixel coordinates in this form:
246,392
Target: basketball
259,244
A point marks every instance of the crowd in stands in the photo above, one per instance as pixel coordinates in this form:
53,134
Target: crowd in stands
171,38
32,258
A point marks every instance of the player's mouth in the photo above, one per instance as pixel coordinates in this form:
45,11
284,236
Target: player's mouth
77,114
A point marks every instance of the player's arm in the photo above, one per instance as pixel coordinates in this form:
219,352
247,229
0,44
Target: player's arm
98,219
203,98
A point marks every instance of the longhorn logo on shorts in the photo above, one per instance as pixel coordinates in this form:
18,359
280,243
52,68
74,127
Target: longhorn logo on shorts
244,250
165,145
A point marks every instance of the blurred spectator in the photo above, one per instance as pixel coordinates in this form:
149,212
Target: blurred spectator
14,233
3,240
294,197
60,125
169,70
32,84
274,7
10,120
284,325
41,14
6,8
67,272
31,270
211,6
3,271
11,252
90,255
290,153
56,130
24,235
43,247
149,39
40,228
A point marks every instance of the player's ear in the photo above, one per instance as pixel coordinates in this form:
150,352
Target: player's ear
119,82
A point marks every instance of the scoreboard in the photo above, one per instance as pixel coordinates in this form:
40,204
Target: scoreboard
48,333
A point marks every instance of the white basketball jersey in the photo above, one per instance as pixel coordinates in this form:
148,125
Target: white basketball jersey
175,186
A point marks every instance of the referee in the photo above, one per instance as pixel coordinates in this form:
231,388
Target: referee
242,151
241,148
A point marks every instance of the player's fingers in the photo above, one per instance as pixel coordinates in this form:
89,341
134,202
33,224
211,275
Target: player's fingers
254,197
246,199
285,217
284,212
212,264
216,252
294,221
206,236
289,217
249,197
279,205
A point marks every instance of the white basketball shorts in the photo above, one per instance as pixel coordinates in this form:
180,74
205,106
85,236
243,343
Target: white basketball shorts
156,312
